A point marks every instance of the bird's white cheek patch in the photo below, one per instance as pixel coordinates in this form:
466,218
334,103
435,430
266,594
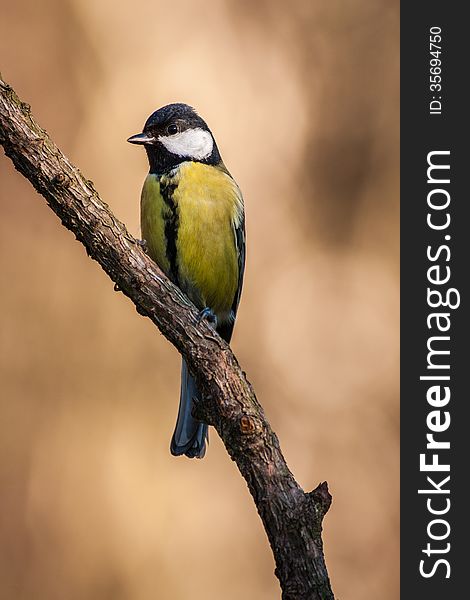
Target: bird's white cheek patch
192,143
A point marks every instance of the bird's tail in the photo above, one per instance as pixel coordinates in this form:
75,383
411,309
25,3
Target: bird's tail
190,435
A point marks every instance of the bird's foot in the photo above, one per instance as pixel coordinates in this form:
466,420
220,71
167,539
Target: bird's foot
143,244
209,315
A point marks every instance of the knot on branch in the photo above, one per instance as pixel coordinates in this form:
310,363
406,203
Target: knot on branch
60,180
247,425
321,497
141,311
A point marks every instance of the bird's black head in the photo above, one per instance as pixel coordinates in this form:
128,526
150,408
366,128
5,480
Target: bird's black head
174,134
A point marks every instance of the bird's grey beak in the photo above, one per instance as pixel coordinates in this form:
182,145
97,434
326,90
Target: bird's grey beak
141,138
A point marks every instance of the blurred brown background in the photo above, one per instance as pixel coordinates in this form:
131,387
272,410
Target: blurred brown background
303,100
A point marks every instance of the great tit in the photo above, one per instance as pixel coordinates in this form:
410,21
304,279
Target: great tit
193,223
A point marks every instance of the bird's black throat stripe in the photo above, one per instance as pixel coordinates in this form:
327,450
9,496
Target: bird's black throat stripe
171,228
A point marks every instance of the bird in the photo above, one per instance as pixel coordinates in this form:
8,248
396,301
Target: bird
193,226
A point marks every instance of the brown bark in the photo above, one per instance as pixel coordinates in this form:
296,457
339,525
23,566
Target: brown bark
291,517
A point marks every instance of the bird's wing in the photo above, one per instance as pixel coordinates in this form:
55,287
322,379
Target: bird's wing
225,329
240,244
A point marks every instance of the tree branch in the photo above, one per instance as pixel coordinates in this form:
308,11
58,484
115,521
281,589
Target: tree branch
292,518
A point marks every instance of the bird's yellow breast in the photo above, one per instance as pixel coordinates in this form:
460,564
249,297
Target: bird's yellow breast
188,217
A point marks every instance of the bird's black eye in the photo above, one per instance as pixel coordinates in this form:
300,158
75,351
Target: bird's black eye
172,129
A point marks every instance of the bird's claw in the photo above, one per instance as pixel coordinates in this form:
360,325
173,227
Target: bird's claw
143,244
207,314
